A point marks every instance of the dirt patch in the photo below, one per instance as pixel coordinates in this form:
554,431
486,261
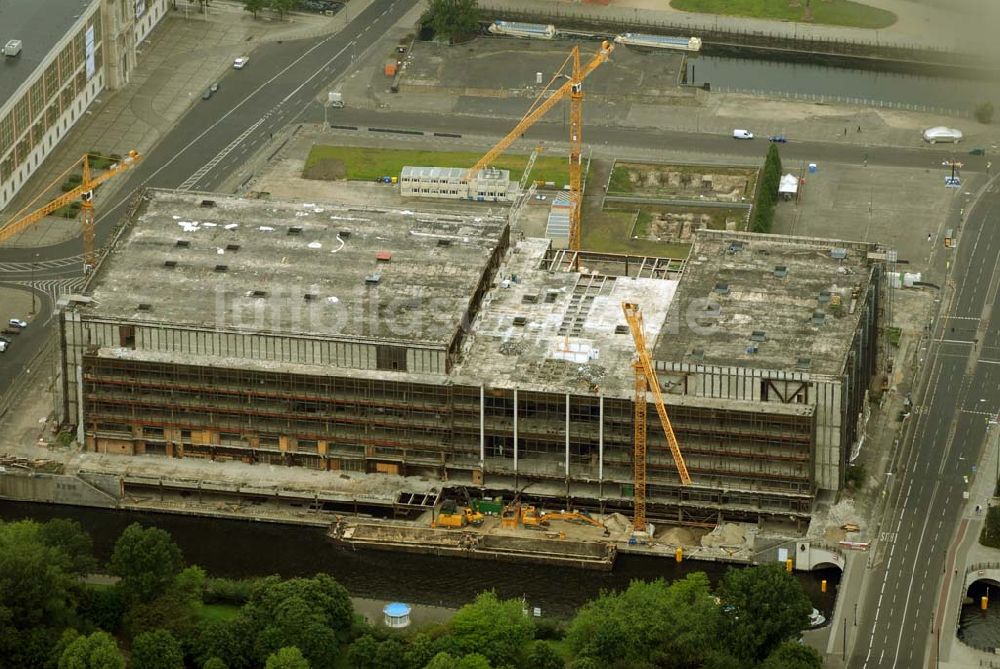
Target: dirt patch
683,182
326,169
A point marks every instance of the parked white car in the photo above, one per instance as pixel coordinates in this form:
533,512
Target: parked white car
3,347
17,323
240,62
740,133
942,134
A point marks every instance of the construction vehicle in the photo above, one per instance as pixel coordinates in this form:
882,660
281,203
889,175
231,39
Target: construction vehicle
85,191
573,88
645,381
573,517
451,515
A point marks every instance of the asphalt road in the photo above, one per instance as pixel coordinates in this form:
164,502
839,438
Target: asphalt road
959,392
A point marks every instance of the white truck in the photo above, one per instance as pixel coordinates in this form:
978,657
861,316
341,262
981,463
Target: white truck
335,99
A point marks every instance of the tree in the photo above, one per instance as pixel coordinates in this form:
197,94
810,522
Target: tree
69,538
282,7
390,654
442,661
214,663
361,654
254,6
497,629
157,650
648,622
793,655
762,607
97,651
452,18
230,641
324,595
544,656
289,657
297,622
473,661
147,560
419,651
984,112
767,191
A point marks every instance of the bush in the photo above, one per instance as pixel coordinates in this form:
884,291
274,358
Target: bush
991,530
984,112
229,590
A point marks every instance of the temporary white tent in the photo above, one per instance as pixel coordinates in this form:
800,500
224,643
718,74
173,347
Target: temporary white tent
789,186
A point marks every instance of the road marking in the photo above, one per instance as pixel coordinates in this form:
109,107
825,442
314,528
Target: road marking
952,341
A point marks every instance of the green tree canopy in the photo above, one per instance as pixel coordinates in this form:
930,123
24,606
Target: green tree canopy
157,650
296,621
289,657
254,6
419,651
544,656
793,655
763,606
97,651
452,18
147,560
473,661
442,661
361,654
69,538
214,663
497,629
648,623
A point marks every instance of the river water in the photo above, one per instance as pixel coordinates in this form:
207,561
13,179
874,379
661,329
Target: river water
237,549
835,84
978,628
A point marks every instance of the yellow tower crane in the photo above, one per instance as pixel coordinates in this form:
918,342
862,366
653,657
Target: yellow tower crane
645,380
85,191
573,87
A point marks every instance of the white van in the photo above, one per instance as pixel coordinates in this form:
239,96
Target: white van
739,133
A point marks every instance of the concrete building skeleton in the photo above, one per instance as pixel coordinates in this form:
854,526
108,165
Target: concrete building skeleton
412,343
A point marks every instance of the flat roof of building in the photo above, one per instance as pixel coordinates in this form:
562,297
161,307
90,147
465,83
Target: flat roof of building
558,331
228,263
39,24
767,301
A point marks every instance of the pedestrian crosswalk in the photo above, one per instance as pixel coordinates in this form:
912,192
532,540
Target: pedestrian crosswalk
55,288
41,265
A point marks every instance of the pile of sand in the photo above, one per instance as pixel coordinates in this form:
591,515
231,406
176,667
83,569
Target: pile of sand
616,522
677,536
728,534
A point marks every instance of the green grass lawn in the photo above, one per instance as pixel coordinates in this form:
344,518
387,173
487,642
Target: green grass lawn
830,12
209,612
609,232
365,164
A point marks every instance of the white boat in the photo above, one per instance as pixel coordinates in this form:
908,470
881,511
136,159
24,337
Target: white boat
660,41
528,30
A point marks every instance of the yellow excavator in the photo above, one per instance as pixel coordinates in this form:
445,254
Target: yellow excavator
453,516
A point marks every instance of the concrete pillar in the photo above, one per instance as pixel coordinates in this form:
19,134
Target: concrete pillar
482,426
515,430
567,436
600,438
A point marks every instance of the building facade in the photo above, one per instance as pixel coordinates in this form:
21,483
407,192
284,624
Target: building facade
69,56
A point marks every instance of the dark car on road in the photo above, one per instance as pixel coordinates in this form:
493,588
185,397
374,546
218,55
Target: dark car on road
777,139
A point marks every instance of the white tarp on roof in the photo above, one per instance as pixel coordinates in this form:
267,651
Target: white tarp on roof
789,184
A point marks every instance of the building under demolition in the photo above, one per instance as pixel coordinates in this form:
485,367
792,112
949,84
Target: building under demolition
402,343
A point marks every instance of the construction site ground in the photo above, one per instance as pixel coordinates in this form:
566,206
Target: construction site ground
905,209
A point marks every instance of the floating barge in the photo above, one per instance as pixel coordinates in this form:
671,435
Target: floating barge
660,41
470,543
518,29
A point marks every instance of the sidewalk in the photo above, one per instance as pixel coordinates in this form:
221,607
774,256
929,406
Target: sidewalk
184,55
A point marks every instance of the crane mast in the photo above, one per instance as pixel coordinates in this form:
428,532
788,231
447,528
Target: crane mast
573,88
84,191
646,380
